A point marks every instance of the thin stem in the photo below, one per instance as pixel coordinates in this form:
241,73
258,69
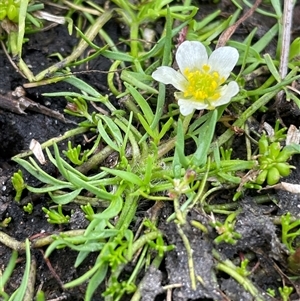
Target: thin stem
189,256
90,35
169,145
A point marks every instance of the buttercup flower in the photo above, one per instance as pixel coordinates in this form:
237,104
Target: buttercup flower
200,77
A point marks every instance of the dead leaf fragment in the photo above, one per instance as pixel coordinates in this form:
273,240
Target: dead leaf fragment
293,188
36,148
293,135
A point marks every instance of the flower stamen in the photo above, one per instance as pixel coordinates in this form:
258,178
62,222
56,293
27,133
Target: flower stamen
202,84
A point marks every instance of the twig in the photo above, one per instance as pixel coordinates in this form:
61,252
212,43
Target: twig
285,42
52,271
11,61
225,36
286,37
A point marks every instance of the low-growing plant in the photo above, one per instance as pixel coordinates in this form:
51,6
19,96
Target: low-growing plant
162,152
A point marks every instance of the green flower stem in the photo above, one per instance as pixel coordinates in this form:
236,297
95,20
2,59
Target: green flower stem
165,62
203,186
169,145
90,35
229,268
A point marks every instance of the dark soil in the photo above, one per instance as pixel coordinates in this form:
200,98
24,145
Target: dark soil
259,235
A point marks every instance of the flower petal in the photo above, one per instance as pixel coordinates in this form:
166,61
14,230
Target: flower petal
223,60
168,75
227,92
187,106
192,55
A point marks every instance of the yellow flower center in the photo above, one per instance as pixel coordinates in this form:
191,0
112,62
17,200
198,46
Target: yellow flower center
202,84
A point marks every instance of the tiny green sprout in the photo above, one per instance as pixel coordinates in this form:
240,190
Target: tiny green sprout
18,183
272,161
116,256
5,222
56,217
77,107
117,289
160,247
28,208
243,269
88,211
73,154
279,133
285,292
271,292
288,233
225,153
226,231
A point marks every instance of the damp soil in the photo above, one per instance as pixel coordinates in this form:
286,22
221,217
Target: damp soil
260,237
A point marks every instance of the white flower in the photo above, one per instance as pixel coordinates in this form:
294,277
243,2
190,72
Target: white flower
200,77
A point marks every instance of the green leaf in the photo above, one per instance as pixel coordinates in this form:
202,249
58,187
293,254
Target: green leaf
105,136
134,79
47,188
263,42
165,128
114,129
65,198
21,291
112,211
95,281
141,101
295,49
66,165
272,67
83,86
179,156
8,270
166,60
21,26
38,173
125,175
146,126
205,138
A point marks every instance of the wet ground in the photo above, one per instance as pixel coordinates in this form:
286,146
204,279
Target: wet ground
260,237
